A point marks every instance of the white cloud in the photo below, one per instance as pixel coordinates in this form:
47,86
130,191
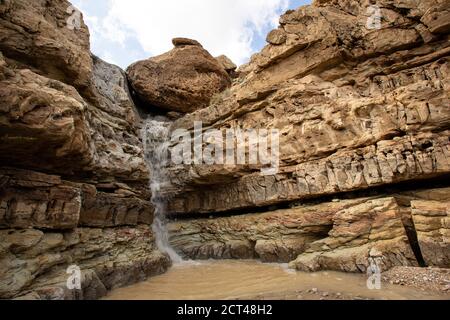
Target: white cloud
222,26
108,56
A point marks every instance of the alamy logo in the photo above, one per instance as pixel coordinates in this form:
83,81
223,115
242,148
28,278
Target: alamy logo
374,19
374,274
74,280
235,146
74,20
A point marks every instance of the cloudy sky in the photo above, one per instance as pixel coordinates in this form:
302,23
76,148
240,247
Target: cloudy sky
124,31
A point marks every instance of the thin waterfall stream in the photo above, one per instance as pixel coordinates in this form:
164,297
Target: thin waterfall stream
155,137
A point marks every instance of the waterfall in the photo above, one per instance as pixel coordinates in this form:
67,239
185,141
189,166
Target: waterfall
155,137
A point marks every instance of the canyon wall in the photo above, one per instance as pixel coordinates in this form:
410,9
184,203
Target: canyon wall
73,179
364,120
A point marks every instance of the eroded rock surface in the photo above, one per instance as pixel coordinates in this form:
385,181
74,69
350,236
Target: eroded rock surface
341,235
35,262
228,65
48,37
358,108
73,178
274,236
370,230
364,119
432,222
183,80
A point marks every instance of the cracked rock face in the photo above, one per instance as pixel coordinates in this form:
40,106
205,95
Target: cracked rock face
338,235
357,109
182,80
36,34
364,148
33,262
432,222
73,178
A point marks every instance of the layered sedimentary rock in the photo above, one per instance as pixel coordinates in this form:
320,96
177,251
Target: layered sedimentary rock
432,222
355,108
48,37
33,199
402,159
358,107
228,65
341,235
47,125
371,230
73,178
183,80
34,263
273,236
36,132
364,122
278,236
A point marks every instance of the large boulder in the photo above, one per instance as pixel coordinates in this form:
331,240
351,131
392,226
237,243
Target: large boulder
359,111
183,79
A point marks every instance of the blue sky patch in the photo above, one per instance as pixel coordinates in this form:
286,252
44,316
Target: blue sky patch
125,31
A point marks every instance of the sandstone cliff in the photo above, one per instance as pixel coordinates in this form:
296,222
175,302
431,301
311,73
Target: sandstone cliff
364,149
358,109
74,183
183,80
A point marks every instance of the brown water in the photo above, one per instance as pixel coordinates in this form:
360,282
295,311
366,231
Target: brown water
230,280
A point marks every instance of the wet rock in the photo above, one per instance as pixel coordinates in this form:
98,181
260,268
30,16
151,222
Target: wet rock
117,124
